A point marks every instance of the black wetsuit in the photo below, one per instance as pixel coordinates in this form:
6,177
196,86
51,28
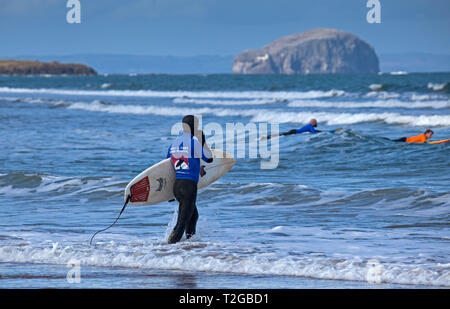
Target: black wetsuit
185,192
185,153
403,139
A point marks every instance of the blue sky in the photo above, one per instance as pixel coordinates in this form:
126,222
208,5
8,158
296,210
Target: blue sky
213,27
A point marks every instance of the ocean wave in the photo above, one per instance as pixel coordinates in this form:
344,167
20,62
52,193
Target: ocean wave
384,95
155,110
266,115
353,118
55,103
24,184
272,115
275,95
376,87
224,258
225,102
426,97
444,87
372,104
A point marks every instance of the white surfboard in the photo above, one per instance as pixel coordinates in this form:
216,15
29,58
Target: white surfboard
155,184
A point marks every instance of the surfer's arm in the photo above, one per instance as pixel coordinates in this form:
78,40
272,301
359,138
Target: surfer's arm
206,154
201,152
201,137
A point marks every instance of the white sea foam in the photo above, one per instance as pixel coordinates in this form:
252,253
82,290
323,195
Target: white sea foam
267,115
275,95
384,95
223,258
376,87
426,97
154,110
224,102
10,99
437,87
352,118
34,100
399,73
49,184
277,115
371,104
60,185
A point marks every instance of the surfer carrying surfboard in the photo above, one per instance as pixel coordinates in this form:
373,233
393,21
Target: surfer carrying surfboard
421,138
185,154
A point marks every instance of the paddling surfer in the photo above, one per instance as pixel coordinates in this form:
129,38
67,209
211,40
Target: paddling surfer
310,127
421,138
185,154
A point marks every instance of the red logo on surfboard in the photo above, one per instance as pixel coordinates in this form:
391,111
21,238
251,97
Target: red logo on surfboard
140,190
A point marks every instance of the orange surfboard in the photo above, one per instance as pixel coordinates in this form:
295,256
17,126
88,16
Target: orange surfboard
439,142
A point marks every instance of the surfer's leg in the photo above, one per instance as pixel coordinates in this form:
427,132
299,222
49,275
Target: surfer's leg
403,139
190,228
192,222
184,193
179,228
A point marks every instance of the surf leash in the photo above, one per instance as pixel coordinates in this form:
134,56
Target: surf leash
123,208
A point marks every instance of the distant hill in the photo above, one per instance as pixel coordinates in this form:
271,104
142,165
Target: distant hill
31,67
141,64
215,64
321,50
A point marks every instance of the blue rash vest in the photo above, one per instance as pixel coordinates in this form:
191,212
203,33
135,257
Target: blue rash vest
185,153
308,128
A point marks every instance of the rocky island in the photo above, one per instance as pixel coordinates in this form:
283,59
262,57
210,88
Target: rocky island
321,50
31,67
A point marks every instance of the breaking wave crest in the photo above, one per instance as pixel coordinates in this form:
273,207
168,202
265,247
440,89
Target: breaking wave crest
225,102
372,104
444,87
276,95
26,185
352,118
265,115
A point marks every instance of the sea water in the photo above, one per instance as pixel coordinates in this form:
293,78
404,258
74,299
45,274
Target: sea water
351,209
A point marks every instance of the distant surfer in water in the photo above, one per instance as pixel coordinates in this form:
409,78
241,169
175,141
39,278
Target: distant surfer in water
185,154
421,138
310,127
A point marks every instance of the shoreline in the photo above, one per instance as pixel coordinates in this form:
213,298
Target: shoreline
147,278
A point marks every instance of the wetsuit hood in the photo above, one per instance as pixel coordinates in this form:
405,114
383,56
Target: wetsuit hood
192,123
